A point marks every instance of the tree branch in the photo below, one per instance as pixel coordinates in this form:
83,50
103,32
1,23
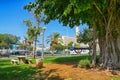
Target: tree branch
100,12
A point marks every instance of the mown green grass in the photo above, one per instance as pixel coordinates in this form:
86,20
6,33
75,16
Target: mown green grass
115,78
9,71
66,59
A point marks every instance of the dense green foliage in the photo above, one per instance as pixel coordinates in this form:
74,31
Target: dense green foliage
86,37
68,12
7,39
57,47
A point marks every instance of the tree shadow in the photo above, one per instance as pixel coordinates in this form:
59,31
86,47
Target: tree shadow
50,75
71,60
17,72
4,62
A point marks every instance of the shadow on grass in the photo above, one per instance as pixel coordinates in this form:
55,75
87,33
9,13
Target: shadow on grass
50,75
70,59
16,72
4,62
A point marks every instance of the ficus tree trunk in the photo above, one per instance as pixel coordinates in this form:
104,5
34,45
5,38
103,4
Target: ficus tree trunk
102,48
110,52
110,57
109,46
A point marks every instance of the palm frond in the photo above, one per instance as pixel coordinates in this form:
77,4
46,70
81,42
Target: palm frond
28,23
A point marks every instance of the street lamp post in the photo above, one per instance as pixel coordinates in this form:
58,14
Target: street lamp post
44,28
67,42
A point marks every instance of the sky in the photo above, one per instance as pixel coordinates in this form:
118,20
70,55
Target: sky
12,15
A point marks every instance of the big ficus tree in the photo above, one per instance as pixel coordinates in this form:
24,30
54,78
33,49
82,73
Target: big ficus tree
101,15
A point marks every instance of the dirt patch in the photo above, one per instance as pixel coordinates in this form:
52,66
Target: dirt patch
69,71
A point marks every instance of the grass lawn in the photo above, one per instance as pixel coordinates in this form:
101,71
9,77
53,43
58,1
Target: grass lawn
66,59
9,71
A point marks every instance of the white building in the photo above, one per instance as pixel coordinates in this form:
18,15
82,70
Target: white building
66,40
77,31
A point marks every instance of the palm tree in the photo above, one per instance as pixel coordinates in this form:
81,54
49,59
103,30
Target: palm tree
54,38
33,33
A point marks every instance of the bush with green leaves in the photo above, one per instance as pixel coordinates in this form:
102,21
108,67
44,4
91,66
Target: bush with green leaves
84,63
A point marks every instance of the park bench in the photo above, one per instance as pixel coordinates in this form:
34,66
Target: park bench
27,61
22,59
13,61
30,61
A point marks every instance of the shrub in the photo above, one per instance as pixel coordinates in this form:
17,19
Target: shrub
84,63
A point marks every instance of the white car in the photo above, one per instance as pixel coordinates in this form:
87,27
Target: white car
73,52
84,51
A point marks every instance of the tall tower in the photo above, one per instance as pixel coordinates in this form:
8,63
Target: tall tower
77,31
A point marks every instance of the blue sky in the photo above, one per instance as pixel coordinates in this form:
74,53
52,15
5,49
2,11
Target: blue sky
12,15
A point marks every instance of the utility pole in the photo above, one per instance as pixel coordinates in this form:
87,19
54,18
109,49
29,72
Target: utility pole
42,56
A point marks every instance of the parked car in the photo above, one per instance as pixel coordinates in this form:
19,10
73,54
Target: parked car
84,51
73,52
38,53
4,53
67,51
19,52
